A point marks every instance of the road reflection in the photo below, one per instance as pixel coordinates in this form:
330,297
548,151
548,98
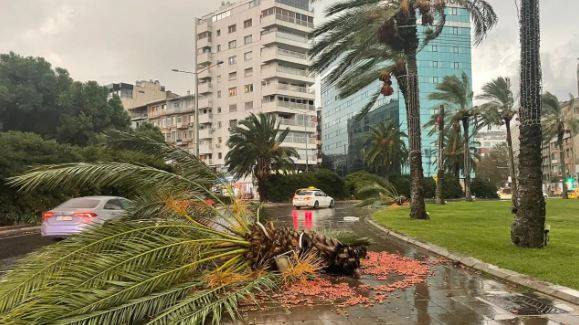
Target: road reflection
311,219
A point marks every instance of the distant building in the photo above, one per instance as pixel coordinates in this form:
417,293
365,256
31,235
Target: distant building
135,98
486,140
175,117
449,54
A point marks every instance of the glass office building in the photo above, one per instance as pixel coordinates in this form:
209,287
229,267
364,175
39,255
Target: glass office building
449,54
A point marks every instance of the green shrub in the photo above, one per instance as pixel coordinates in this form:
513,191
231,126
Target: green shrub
356,181
401,183
280,188
483,189
452,188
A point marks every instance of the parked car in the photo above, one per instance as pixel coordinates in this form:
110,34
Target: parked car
77,214
313,198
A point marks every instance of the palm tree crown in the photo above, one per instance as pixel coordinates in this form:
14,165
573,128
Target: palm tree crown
385,150
256,148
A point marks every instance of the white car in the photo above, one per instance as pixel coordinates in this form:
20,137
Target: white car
312,198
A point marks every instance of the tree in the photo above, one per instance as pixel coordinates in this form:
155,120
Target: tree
384,149
528,228
366,39
34,97
149,130
493,167
171,260
500,110
559,120
256,149
457,92
437,125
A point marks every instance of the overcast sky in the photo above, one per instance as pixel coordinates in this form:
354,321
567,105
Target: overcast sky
127,40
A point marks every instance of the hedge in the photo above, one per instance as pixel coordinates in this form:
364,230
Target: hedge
280,188
483,189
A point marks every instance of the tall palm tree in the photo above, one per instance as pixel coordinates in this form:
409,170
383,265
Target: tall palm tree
559,120
384,149
500,110
373,39
436,124
528,228
256,148
457,92
167,262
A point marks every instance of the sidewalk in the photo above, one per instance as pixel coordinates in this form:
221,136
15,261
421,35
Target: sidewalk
7,231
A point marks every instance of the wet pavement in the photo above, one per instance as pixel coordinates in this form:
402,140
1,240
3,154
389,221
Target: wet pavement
451,295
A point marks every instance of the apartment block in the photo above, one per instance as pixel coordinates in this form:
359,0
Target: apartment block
252,57
175,117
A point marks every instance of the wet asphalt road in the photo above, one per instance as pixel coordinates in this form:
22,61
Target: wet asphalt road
452,295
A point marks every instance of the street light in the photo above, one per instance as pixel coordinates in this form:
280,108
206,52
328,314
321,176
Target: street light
196,74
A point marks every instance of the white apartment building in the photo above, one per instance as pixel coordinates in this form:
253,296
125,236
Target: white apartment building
265,68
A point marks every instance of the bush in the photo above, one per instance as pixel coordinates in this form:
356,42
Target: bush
280,188
483,189
451,188
358,180
401,183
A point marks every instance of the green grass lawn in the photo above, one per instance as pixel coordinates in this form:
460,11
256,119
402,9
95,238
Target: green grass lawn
482,229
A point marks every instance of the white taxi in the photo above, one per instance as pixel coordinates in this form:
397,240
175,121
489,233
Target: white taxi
312,197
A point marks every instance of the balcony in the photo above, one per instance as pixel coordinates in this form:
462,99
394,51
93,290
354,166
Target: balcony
286,107
204,43
288,22
205,133
205,75
204,58
205,88
273,53
276,37
279,71
205,118
275,88
205,102
205,148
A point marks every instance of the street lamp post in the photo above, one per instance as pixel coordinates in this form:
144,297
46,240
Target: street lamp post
196,74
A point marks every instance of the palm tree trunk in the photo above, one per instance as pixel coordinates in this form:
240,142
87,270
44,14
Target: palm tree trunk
511,163
528,228
439,195
466,153
417,205
564,194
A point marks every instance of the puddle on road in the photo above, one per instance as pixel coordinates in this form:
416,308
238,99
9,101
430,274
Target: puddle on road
524,305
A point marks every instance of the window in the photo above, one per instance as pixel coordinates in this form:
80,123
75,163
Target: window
232,123
457,65
218,47
454,30
219,94
248,72
455,49
218,109
114,204
248,88
232,76
218,78
220,16
435,64
434,48
232,44
232,108
219,125
232,91
219,32
247,39
247,56
232,28
454,11
248,106
247,23
232,60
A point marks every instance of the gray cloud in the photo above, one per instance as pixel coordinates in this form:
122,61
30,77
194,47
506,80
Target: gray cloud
111,40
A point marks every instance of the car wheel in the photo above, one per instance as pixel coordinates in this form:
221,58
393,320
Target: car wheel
316,205
331,204
297,208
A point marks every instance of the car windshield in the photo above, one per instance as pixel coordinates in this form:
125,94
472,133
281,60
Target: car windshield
80,203
304,192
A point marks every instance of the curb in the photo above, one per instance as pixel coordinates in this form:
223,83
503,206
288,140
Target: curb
557,291
18,230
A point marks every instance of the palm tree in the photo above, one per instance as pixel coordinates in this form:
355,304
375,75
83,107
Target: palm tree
384,149
500,110
256,148
174,264
376,194
436,124
528,228
559,120
457,92
373,39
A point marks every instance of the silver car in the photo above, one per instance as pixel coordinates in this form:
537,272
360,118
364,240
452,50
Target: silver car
75,215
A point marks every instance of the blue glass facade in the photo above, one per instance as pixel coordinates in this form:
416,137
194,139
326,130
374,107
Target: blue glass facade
449,54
